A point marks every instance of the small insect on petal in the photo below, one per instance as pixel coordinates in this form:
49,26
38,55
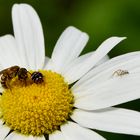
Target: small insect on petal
120,72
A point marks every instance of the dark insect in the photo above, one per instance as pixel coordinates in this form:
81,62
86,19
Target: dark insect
8,74
22,74
37,77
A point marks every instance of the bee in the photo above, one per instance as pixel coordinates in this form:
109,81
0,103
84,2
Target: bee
37,77
120,72
8,74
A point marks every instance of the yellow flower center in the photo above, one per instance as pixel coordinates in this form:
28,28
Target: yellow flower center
37,109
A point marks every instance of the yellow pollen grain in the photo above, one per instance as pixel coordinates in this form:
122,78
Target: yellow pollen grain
37,109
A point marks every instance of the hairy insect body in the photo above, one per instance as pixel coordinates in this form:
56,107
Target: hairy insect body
4,79
8,74
22,74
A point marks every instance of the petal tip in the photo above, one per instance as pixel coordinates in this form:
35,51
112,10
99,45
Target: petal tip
118,38
74,29
21,5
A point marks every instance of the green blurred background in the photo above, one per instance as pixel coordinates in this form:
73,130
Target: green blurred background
99,18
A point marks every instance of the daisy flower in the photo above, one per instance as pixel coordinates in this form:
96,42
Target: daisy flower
75,95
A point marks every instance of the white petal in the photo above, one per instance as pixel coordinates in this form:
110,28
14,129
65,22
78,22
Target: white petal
111,120
68,47
77,61
112,92
29,36
8,52
57,135
17,136
4,130
73,131
81,59
47,59
104,72
1,122
77,71
39,138
103,60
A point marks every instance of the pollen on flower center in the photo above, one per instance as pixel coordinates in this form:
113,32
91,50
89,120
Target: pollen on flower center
37,109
